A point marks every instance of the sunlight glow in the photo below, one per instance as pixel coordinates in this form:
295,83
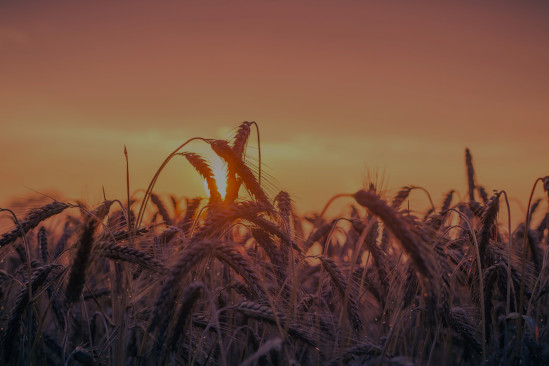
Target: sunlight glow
219,169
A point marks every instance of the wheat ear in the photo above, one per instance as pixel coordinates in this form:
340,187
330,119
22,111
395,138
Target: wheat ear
80,263
419,253
204,169
121,253
39,277
190,257
162,210
470,174
43,245
189,298
339,281
222,148
32,220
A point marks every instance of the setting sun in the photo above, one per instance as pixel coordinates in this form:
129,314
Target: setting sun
219,170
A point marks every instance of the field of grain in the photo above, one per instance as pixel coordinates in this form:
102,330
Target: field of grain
242,279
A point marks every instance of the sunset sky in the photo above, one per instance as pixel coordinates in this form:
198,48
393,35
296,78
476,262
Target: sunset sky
340,90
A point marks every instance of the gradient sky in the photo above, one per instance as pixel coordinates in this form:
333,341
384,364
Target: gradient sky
340,89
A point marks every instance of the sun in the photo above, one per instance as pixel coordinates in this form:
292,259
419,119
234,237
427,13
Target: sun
219,170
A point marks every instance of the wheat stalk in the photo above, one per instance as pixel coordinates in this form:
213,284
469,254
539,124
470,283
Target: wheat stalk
193,253
161,209
222,148
32,220
43,245
419,253
120,253
339,281
204,169
470,174
80,263
39,277
188,299
229,255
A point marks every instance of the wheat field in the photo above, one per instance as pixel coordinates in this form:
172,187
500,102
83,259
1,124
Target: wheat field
241,278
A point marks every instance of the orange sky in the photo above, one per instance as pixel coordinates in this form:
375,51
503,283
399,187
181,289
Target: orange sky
338,89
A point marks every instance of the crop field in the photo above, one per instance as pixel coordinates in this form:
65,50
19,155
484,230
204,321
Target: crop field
240,278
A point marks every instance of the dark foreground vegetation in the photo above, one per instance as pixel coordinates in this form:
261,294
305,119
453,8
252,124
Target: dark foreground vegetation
243,279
